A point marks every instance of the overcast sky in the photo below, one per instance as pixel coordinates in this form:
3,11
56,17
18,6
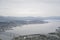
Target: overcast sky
30,8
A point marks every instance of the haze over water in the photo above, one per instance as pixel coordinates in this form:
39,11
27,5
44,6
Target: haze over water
36,28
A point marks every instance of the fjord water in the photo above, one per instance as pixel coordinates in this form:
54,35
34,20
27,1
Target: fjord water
45,28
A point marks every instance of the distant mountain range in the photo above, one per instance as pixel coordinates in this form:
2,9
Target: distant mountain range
52,18
4,19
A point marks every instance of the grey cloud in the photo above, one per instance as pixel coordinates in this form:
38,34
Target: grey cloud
38,7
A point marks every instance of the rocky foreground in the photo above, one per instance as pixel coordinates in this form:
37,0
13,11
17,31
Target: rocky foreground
37,37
